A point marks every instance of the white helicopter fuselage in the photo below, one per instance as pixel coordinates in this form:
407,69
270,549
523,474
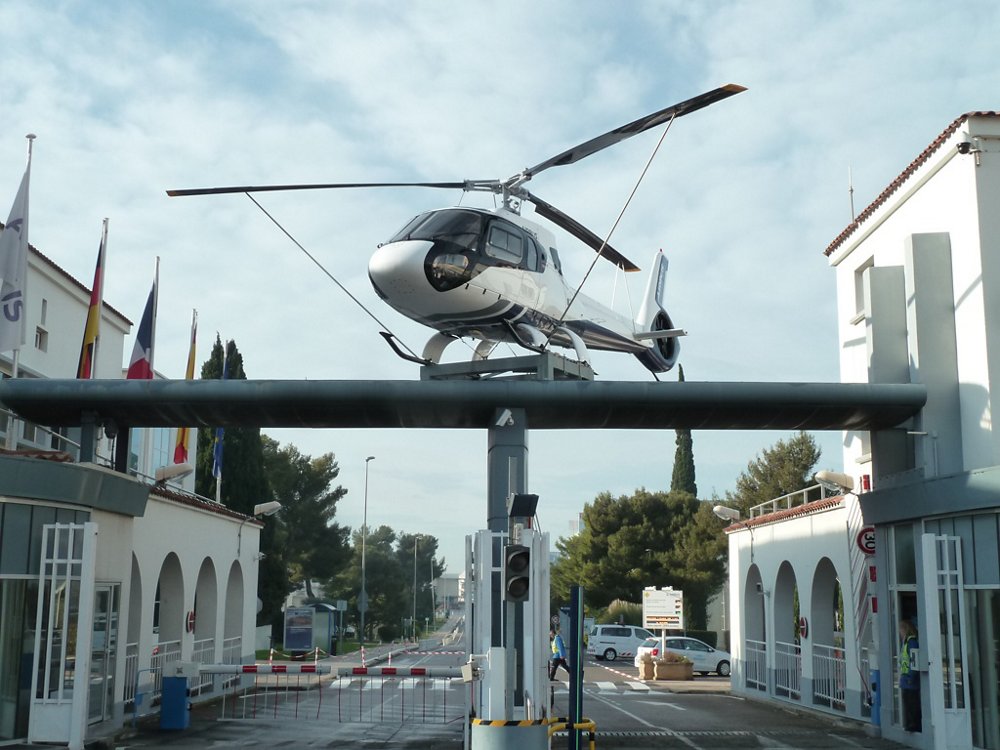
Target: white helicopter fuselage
496,277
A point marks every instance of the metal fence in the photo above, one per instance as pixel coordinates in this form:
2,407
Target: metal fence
755,668
788,670
359,695
829,677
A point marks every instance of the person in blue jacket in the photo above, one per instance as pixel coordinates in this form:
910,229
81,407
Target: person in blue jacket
558,658
909,678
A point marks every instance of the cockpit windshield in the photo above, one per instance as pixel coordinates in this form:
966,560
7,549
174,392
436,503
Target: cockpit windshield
458,227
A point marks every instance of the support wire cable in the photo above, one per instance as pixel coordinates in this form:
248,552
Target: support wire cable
332,278
607,239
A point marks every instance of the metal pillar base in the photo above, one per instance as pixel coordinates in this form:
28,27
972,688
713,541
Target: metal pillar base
516,735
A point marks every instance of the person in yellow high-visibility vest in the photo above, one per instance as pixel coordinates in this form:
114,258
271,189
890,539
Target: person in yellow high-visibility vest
558,658
909,678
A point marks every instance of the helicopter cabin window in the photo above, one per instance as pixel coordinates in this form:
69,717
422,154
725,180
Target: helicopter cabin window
535,256
504,245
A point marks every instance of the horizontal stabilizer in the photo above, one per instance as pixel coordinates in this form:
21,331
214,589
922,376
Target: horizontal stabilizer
671,333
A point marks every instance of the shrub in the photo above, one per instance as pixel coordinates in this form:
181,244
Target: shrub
669,657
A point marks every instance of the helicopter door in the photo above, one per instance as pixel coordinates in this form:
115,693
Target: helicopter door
507,246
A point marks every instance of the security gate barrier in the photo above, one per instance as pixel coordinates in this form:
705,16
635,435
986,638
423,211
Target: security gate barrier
423,695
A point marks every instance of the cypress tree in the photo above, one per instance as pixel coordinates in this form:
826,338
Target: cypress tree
683,476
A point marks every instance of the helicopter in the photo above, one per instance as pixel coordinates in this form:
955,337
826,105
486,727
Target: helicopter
494,276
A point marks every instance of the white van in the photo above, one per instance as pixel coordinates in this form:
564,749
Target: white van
611,641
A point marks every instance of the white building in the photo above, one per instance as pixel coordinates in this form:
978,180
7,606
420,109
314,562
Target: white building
106,582
918,289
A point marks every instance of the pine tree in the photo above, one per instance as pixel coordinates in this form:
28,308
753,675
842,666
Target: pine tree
683,476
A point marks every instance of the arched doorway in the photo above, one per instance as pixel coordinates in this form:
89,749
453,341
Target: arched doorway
232,632
754,631
787,643
134,632
168,617
205,616
829,663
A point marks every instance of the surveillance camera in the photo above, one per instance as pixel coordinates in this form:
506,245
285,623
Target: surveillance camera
506,418
760,587
964,147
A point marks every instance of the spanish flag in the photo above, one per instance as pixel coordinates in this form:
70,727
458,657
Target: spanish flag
92,330
181,448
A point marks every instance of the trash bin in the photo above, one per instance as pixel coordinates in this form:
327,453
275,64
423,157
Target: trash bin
174,712
333,647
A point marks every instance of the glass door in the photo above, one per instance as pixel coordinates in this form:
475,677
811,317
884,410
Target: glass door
103,652
944,640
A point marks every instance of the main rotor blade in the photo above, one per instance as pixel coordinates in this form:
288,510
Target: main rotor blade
323,186
579,231
627,131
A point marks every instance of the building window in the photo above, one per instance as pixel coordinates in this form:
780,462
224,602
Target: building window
860,306
41,339
45,311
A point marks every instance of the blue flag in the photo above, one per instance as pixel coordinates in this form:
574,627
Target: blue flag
220,431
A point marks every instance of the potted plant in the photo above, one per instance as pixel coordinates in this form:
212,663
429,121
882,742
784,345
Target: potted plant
646,669
671,666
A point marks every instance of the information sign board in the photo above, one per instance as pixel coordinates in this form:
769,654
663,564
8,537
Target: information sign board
662,609
298,629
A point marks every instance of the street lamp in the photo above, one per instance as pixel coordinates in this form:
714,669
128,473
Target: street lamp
414,587
363,598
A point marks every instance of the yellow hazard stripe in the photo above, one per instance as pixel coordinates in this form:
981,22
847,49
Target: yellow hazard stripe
502,723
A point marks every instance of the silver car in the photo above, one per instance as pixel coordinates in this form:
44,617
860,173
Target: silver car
704,658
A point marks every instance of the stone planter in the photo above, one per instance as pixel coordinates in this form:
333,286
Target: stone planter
664,670
645,670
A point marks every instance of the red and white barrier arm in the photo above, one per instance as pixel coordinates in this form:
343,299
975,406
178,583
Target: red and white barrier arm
265,668
441,672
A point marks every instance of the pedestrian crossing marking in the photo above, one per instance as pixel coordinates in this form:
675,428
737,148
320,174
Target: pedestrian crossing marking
638,686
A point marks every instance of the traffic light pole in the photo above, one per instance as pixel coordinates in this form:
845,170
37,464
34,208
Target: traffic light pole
507,474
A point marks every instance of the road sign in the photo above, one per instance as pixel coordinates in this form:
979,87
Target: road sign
662,609
866,540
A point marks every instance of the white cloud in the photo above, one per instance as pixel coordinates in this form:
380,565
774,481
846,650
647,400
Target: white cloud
129,99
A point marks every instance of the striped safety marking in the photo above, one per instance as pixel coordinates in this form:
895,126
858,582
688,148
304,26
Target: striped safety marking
390,671
502,723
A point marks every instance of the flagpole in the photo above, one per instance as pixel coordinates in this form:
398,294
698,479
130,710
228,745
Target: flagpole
12,423
102,262
156,301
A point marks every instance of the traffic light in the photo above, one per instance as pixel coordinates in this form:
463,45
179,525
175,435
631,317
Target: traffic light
516,572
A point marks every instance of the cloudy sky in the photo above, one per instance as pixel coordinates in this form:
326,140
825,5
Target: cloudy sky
131,98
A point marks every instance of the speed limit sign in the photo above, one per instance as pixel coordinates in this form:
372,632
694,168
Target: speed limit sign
866,540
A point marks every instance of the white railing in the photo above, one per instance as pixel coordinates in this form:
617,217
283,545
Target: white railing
791,500
829,677
203,653
131,671
788,670
755,666
168,653
232,654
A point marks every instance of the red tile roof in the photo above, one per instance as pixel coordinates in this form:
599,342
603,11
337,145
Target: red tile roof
184,498
903,177
816,506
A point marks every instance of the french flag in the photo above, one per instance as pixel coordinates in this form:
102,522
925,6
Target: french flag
140,367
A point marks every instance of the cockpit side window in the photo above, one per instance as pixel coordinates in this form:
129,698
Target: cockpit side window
504,244
555,259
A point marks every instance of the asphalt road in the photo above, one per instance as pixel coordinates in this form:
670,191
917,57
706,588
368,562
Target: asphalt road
421,713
